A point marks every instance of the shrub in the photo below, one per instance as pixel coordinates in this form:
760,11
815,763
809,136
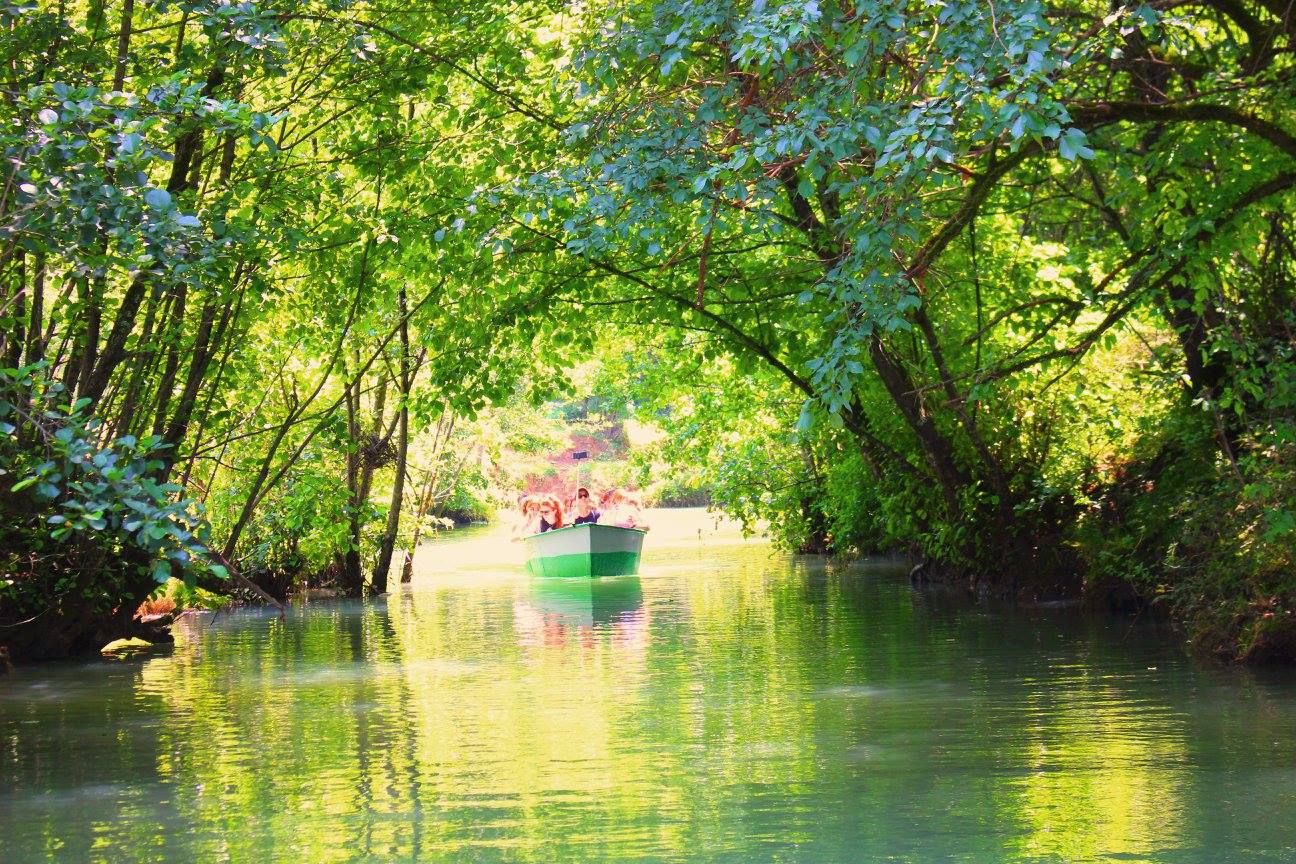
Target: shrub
87,528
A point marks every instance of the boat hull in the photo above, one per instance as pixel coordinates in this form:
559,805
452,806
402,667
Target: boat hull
584,551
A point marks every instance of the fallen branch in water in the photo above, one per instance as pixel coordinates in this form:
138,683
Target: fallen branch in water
246,582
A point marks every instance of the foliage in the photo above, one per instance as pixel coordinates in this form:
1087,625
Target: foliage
86,526
936,223
1210,538
210,217
301,527
742,111
931,277
177,595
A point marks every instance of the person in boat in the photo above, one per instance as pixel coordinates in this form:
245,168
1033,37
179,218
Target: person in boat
551,513
528,521
583,508
623,509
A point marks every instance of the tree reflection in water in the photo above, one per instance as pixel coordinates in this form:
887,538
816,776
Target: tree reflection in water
732,705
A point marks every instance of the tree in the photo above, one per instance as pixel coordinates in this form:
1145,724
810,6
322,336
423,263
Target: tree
167,249
812,185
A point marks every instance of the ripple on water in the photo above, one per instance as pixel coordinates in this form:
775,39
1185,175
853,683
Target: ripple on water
751,707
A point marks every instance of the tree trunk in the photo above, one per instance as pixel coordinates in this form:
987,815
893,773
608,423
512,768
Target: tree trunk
141,364
12,342
35,344
427,494
421,508
811,500
173,339
352,578
402,451
939,452
227,326
1193,330
376,437
123,45
393,515
203,350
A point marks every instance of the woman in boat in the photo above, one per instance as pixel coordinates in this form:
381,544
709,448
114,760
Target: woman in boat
624,509
528,521
584,509
551,514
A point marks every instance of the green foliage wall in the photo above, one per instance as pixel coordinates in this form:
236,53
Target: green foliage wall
942,277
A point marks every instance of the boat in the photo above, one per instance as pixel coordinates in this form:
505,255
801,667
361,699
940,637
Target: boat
584,551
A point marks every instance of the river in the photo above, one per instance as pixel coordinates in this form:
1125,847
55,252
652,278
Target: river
733,703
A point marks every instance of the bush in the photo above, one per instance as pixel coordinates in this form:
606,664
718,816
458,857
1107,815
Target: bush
175,595
301,527
1209,539
87,529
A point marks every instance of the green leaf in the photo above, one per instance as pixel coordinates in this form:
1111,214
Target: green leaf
158,199
1072,144
161,571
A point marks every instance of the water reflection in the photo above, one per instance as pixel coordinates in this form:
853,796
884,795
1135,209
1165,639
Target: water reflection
727,705
589,602
561,610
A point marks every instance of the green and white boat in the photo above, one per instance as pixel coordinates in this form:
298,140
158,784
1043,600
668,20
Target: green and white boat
585,551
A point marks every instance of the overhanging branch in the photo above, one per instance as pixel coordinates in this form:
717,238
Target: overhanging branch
1093,115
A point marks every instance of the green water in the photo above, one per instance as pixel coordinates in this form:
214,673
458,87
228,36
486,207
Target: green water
731,704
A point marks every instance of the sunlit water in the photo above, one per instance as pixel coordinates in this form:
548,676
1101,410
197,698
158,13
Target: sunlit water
731,704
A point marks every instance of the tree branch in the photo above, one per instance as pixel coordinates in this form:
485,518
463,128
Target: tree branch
1102,113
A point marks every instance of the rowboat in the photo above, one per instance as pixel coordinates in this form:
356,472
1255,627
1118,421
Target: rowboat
585,551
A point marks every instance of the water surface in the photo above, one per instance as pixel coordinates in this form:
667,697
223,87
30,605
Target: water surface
731,704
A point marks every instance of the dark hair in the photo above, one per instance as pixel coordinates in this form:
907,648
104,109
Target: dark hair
582,492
